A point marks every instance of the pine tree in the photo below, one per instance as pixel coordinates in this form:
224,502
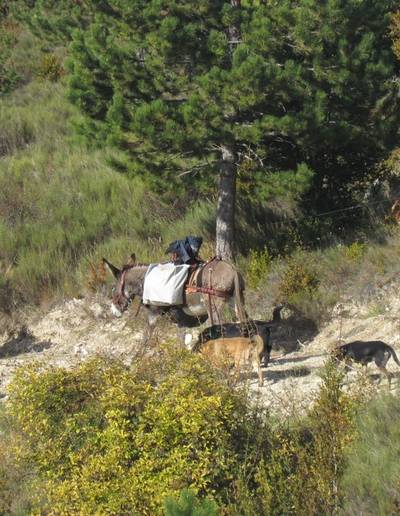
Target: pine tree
292,92
52,20
396,33
9,78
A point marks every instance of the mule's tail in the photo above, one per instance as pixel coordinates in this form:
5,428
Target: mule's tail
393,353
239,298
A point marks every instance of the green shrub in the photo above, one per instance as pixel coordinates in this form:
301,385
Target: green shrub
297,278
108,439
7,300
307,459
189,505
355,251
51,68
258,266
5,492
9,77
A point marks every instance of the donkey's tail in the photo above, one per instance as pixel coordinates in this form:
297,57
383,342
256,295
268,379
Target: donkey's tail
393,353
239,298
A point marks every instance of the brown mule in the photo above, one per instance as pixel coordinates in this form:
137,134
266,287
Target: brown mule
216,284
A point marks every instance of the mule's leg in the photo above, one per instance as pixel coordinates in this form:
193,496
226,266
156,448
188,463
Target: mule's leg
152,318
181,336
213,306
241,316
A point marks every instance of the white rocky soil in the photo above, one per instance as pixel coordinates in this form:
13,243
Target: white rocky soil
80,328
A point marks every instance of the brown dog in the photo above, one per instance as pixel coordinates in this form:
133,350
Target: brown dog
240,351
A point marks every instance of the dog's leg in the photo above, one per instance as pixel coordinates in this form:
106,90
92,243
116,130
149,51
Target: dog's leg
260,373
381,361
257,362
347,365
388,375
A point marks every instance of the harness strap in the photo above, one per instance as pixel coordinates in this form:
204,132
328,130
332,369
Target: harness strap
209,299
207,290
121,284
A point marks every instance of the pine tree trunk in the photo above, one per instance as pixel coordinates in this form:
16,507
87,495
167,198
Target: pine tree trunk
225,227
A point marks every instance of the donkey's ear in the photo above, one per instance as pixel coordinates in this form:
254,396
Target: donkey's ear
132,259
114,270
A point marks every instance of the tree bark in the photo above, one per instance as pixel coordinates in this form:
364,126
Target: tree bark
225,226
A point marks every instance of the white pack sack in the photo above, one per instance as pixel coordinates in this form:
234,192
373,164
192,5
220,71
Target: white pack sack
163,284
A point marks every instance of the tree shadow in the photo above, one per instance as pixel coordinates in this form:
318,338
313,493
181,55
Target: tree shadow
293,331
287,358
23,342
275,376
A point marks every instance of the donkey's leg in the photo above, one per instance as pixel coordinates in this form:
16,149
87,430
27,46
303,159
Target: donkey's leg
182,336
152,318
238,313
213,306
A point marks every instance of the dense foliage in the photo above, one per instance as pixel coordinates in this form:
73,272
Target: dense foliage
102,437
51,20
8,36
306,89
283,98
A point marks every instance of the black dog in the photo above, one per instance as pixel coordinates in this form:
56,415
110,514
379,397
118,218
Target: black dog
368,351
246,329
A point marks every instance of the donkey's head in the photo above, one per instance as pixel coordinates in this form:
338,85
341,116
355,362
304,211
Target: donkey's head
127,285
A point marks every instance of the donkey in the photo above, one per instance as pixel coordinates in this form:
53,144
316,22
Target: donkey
210,287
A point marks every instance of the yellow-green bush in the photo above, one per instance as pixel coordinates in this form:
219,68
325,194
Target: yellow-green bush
297,277
355,251
258,266
109,439
104,438
300,475
51,68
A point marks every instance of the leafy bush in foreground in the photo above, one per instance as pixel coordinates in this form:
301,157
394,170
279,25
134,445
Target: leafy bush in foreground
188,505
105,438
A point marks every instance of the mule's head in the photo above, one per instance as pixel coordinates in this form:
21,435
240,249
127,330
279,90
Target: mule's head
123,295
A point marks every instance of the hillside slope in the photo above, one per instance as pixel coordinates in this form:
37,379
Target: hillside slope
77,329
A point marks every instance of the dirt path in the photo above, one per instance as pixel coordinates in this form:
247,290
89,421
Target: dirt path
78,329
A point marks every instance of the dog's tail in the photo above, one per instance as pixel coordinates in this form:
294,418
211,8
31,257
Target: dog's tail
393,353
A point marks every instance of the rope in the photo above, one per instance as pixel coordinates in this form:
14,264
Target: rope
349,208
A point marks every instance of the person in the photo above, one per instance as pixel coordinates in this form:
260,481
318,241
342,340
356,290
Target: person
185,251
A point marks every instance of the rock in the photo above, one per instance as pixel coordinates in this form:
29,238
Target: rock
96,310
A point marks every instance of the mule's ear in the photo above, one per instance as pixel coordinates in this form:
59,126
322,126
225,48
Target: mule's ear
114,270
132,259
